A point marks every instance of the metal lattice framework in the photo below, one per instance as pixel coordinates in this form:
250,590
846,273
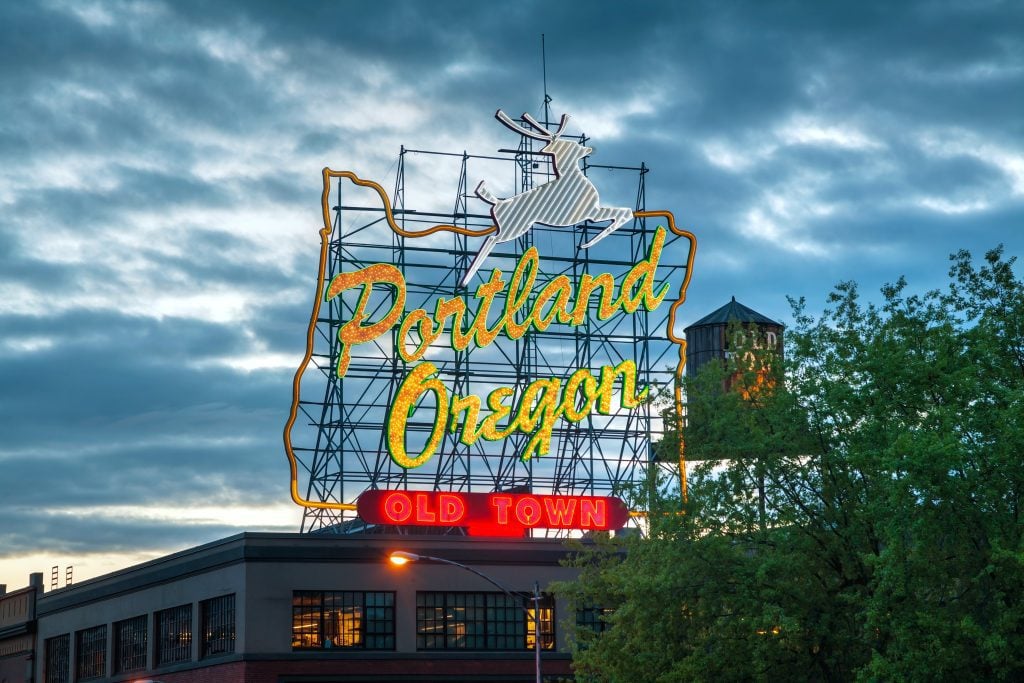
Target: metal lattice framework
339,435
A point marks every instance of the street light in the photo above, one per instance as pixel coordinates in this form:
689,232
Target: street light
401,557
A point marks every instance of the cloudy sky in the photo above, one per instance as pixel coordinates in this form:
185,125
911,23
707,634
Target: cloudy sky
160,179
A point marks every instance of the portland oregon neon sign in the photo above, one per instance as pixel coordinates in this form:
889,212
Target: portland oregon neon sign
527,294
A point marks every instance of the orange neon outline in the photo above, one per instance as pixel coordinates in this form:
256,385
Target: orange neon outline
376,187
325,236
670,333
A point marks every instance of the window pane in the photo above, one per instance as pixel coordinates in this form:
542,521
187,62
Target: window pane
58,652
306,627
349,619
91,653
593,618
218,626
130,645
173,635
547,623
507,626
481,621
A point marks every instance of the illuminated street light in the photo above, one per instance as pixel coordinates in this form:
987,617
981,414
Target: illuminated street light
401,557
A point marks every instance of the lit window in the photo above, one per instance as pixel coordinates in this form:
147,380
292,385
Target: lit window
547,624
349,619
481,621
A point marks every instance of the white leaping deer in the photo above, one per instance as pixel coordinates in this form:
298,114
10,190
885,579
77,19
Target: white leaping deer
567,200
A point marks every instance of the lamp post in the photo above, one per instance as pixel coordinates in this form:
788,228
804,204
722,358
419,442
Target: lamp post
400,557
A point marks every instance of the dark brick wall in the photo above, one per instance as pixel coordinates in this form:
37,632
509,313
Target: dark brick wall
366,670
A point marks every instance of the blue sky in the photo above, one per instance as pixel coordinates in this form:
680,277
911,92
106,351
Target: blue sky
160,185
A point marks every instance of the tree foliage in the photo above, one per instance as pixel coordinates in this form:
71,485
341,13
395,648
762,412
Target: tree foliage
887,544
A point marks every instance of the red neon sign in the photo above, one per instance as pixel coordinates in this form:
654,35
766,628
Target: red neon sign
492,514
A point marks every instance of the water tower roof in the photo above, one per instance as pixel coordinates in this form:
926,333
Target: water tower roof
734,310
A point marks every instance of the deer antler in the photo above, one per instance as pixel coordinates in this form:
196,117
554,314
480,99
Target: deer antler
544,131
561,125
509,123
533,122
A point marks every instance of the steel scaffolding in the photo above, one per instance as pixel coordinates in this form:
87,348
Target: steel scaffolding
339,438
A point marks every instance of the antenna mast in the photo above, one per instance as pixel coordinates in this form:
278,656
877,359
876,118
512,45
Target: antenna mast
544,70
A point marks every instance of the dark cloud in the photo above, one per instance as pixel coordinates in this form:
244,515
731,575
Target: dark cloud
16,265
87,534
276,324
102,368
214,257
115,412
144,145
232,468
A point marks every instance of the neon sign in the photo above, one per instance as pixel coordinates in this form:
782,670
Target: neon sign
544,401
504,305
568,304
566,201
492,514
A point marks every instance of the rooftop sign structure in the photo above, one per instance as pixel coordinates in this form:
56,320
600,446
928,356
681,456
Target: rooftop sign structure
506,352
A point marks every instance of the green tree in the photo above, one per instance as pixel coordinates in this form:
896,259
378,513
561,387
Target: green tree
887,543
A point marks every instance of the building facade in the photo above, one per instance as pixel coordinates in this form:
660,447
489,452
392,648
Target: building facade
17,630
288,608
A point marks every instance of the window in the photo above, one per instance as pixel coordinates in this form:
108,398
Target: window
343,619
91,653
57,655
593,618
218,626
481,621
547,623
130,645
173,635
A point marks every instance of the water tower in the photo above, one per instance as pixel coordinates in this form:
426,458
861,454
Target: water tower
708,339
